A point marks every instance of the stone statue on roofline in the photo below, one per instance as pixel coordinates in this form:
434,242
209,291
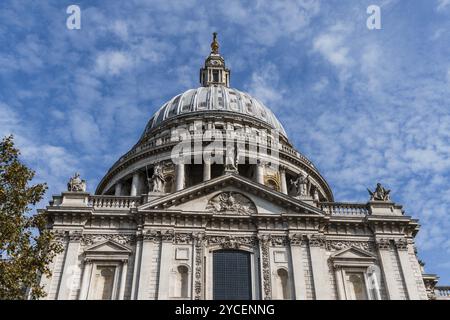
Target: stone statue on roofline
157,180
75,184
231,160
301,185
380,194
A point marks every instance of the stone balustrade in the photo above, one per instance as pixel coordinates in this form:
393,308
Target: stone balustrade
344,209
114,202
442,292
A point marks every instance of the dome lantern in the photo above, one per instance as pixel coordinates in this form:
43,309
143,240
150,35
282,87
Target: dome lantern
214,71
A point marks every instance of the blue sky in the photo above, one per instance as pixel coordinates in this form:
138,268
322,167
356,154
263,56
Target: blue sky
363,105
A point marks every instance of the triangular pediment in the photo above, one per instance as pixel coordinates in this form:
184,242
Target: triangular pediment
108,246
353,253
219,195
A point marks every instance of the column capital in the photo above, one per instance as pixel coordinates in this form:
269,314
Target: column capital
383,243
317,241
75,236
402,244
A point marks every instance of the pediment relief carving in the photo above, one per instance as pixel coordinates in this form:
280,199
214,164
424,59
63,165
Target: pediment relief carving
353,253
233,203
267,196
107,246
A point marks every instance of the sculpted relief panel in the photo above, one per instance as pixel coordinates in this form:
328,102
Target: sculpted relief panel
231,203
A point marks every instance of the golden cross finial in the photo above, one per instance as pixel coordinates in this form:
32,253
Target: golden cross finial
215,44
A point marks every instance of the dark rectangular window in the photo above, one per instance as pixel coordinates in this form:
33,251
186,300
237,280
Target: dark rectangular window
231,275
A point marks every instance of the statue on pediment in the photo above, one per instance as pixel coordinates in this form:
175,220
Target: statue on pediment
156,182
231,161
380,193
301,185
75,184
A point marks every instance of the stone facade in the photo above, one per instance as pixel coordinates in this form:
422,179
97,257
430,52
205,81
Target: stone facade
158,240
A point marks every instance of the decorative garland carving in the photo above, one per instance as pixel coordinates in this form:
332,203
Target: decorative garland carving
383,244
231,242
152,235
75,236
89,239
264,241
317,241
279,241
168,235
231,203
198,283
342,244
59,236
183,238
401,244
296,239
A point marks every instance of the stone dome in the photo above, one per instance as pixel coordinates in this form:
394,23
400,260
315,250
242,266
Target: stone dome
220,109
215,98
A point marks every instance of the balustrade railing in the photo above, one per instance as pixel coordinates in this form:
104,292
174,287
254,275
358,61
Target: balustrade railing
114,202
442,292
344,209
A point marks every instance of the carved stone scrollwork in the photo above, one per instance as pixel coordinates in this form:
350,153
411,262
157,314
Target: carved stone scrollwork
168,235
231,203
296,239
152,235
59,236
317,241
279,241
267,285
89,239
198,284
401,244
383,244
339,245
75,236
231,242
183,238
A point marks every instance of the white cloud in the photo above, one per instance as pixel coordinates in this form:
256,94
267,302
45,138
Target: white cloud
112,62
264,86
442,4
332,45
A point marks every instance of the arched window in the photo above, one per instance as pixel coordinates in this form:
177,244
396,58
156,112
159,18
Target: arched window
283,284
183,281
272,184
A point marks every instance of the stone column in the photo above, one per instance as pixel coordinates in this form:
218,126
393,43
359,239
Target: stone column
118,189
264,243
87,271
392,289
284,188
149,245
179,176
70,262
164,272
319,268
297,267
137,266
135,184
123,278
408,273
165,265
339,278
260,173
206,171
